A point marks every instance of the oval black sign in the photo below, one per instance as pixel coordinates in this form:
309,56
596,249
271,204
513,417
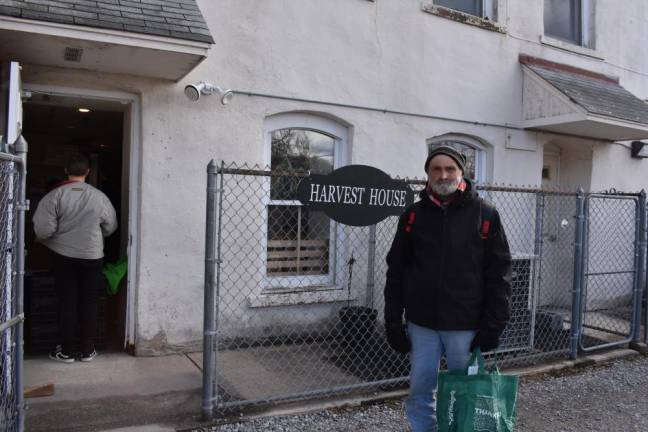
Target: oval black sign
357,195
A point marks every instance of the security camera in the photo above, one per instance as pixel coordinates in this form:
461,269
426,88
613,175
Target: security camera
193,92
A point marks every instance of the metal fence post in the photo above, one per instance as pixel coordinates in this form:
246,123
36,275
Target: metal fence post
644,298
640,280
579,257
20,148
539,222
209,297
219,260
537,251
371,258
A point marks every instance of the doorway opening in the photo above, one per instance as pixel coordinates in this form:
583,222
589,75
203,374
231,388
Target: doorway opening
56,126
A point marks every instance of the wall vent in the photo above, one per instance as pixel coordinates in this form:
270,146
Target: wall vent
73,54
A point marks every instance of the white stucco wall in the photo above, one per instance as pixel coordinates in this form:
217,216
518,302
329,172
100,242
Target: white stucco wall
385,54
613,168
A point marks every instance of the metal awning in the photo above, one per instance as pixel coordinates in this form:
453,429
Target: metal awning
568,100
157,39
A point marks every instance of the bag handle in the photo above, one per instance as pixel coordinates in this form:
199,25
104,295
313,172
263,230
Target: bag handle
477,359
495,367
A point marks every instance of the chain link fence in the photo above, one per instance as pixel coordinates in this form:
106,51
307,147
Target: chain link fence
11,388
294,300
610,258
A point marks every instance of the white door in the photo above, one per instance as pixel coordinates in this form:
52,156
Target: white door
557,238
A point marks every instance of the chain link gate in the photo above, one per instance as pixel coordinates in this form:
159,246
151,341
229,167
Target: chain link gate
612,273
12,208
298,298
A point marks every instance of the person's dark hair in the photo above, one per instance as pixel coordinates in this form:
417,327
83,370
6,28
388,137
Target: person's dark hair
77,165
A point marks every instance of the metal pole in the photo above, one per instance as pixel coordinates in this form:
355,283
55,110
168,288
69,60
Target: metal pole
644,209
539,222
640,279
537,251
371,258
23,205
578,272
209,306
219,260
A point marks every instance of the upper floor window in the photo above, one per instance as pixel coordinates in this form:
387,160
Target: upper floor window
473,150
480,8
567,20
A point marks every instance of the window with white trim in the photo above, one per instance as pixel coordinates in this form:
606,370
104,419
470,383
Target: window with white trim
301,243
568,21
480,8
472,149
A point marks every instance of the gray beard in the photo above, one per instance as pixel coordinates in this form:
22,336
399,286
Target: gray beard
444,188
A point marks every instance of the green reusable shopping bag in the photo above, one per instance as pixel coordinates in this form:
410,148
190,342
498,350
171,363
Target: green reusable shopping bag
114,273
483,402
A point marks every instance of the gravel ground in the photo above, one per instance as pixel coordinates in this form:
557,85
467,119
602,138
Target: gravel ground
611,397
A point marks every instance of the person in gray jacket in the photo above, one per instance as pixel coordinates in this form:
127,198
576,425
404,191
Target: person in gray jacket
72,220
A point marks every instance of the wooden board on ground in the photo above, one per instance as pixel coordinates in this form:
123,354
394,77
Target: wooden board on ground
40,391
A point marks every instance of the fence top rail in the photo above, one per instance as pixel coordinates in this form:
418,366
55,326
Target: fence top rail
10,158
611,195
257,171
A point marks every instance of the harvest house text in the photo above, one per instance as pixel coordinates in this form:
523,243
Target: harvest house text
354,195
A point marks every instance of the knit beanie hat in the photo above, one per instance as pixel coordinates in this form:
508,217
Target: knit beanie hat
448,151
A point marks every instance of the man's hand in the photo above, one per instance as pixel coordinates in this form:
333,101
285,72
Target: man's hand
397,337
487,340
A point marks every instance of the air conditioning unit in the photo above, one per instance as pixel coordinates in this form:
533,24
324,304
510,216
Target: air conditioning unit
518,334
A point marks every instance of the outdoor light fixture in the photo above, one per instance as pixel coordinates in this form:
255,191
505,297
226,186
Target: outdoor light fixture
193,92
639,149
84,110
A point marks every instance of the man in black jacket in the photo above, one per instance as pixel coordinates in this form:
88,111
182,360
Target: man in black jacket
449,272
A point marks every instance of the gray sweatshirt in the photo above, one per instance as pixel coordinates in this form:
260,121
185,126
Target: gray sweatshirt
73,219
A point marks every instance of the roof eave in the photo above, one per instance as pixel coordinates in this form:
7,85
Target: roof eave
589,126
36,39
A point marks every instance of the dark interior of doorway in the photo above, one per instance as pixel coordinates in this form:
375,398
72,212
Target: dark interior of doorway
55,127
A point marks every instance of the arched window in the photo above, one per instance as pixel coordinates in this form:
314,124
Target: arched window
474,150
301,243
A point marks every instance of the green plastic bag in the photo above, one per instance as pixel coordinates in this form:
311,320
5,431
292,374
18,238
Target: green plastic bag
483,402
114,273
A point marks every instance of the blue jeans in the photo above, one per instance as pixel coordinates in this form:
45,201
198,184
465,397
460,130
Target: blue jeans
428,346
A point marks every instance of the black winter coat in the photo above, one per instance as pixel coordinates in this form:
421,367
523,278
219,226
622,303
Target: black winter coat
442,273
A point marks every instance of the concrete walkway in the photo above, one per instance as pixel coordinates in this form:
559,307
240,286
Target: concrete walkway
121,393
113,391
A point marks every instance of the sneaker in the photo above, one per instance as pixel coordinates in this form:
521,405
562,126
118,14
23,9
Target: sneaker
88,357
59,356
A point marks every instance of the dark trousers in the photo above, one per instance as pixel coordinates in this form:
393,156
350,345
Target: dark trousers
78,282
